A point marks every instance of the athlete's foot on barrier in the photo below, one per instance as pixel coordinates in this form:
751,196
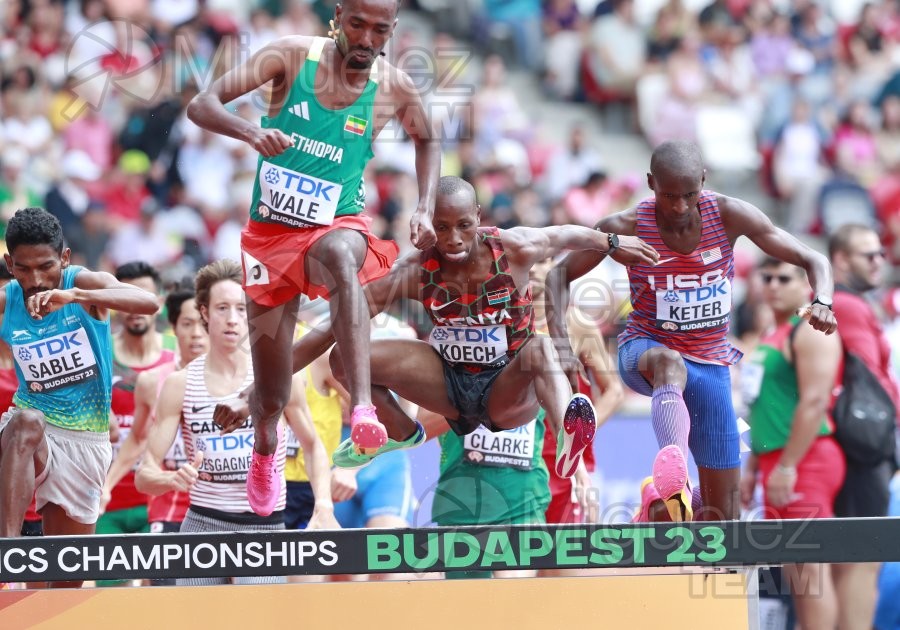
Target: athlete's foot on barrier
347,456
263,481
366,432
670,477
575,435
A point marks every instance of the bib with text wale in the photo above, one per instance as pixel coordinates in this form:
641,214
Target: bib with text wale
469,344
226,458
297,199
694,308
511,449
57,361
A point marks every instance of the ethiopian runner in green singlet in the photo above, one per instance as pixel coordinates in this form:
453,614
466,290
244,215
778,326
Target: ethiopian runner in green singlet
329,99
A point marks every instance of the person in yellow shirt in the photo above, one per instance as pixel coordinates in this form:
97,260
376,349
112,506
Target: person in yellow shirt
326,399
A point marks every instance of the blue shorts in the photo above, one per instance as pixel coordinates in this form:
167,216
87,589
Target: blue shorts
384,488
714,439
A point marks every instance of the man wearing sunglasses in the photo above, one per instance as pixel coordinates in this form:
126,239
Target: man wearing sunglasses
787,382
859,263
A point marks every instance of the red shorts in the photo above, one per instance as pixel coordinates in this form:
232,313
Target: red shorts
274,257
563,508
820,475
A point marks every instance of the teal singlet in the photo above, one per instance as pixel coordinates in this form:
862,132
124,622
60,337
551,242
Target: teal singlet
321,175
63,361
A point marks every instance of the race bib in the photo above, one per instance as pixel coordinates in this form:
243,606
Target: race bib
510,449
293,444
751,380
57,362
226,458
469,344
296,199
696,308
175,456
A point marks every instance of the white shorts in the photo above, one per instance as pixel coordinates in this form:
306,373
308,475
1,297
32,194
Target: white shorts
76,468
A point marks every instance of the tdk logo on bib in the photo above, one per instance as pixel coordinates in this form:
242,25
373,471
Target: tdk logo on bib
229,442
58,361
469,344
297,199
692,302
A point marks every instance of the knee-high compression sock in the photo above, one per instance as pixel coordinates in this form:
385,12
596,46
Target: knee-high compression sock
670,417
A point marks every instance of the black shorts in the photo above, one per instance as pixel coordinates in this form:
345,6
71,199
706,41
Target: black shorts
164,527
866,491
301,501
469,391
33,528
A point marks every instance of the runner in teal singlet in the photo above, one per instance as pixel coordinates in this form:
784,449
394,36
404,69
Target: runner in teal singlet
54,443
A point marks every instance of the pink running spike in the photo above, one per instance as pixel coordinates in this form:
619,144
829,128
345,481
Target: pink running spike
263,481
366,432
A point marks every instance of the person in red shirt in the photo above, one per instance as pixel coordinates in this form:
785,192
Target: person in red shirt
137,347
858,258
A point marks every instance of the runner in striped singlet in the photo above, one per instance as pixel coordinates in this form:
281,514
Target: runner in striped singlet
166,511
216,474
483,364
675,347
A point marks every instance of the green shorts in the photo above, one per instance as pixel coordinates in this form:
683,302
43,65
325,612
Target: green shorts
127,521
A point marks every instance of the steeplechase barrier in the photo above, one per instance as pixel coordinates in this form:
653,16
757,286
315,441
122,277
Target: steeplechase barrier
692,575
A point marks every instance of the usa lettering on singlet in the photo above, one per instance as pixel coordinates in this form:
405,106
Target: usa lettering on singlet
513,448
685,301
481,329
222,479
320,176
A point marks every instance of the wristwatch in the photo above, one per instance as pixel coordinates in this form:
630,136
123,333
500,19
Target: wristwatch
824,301
613,240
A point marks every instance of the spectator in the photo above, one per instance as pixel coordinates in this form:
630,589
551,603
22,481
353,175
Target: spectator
128,189
664,36
855,149
688,86
69,198
15,192
770,47
858,260
498,113
798,168
570,166
564,29
787,382
618,49
522,20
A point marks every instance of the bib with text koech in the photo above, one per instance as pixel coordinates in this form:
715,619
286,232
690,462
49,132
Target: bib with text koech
693,308
511,449
56,362
469,344
291,197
